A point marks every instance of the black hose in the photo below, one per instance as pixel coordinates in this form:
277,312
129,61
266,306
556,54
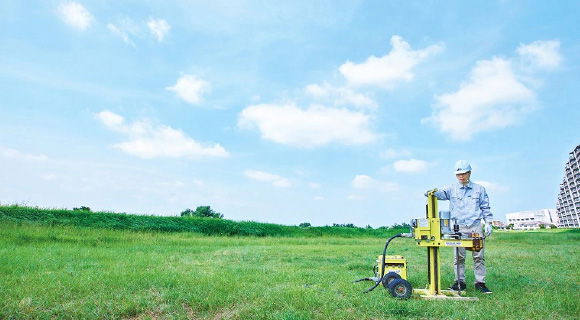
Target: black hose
383,263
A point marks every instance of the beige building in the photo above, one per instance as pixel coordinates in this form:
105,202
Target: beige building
498,223
532,219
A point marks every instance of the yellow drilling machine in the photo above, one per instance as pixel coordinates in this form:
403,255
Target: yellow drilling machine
433,232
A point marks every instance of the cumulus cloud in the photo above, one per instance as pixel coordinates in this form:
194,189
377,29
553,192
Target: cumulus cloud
148,141
159,28
340,96
541,54
312,127
75,15
492,97
410,166
388,70
366,182
275,180
190,88
110,119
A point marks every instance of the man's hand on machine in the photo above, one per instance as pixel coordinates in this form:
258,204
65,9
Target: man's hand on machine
427,192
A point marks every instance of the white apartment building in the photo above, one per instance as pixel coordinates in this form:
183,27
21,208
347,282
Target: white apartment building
531,220
568,206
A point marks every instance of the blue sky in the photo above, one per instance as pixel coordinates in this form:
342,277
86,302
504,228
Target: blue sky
285,111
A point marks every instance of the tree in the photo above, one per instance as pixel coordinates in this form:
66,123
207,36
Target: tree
342,225
82,208
304,225
202,212
400,226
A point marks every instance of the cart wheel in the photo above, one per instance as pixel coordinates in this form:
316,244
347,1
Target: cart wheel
390,276
400,288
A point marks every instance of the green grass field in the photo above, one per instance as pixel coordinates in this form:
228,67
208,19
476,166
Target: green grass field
66,272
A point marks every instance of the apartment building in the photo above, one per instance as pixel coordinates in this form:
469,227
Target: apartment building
568,206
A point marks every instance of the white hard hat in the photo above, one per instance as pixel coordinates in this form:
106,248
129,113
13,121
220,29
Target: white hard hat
462,166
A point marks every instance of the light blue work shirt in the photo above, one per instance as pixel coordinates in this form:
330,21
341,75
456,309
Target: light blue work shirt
467,204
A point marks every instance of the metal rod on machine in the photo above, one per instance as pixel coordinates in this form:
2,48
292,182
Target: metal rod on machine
433,252
457,270
436,273
428,266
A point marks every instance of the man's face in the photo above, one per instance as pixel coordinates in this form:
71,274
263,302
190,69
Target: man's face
463,178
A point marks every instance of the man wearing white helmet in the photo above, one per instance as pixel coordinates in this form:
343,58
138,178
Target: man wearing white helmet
469,206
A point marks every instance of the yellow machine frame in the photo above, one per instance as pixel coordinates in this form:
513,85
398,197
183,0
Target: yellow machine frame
427,233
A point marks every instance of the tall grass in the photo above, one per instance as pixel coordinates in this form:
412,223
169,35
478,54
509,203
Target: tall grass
207,226
69,272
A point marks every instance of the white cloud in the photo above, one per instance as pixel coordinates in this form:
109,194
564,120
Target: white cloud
118,32
15,154
159,28
127,29
319,198
340,96
366,182
172,185
190,88
491,98
541,54
391,154
389,70
318,91
75,15
493,187
48,176
315,126
410,166
314,185
275,180
355,198
110,119
148,141
494,95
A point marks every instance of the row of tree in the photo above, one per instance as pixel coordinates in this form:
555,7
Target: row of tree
202,212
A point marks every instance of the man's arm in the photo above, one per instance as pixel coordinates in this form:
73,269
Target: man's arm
484,206
443,193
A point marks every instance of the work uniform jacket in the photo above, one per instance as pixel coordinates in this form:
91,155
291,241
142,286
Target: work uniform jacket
467,204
